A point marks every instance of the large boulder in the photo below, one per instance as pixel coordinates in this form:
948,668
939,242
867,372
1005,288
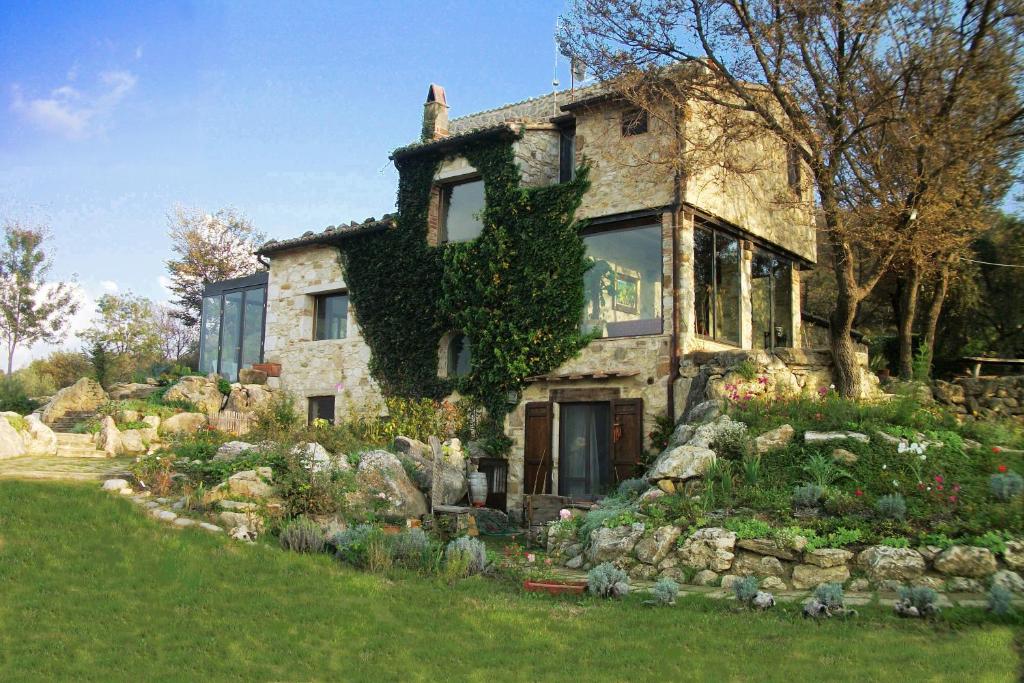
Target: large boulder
609,544
882,563
681,463
774,439
183,423
132,442
656,547
108,439
252,483
966,560
318,459
767,546
708,433
252,376
133,390
452,484
709,548
1014,555
11,443
85,395
231,450
705,411
245,398
811,575
747,563
202,392
381,472
38,438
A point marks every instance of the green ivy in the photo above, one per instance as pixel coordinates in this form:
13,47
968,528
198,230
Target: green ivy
516,291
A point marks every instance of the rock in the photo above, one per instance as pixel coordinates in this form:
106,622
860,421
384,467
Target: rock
128,416
129,391
1014,555
860,585
231,450
575,562
183,423
382,472
681,434
705,577
929,552
708,548
751,564
729,581
412,447
114,484
962,584
245,398
1009,580
824,437
654,548
184,522
947,392
153,421
828,557
811,576
766,546
453,483
237,505
763,600
681,463
236,520
643,572
108,439
666,487
85,395
881,563
843,456
651,495
774,439
251,483
11,443
132,442
890,439
706,411
244,533
164,515
608,544
773,583
965,560
212,528
39,439
202,392
316,458
252,376
936,583
707,433
127,491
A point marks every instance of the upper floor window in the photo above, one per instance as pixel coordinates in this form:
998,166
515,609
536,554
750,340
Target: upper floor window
716,266
623,288
462,206
634,121
459,356
567,155
793,169
331,316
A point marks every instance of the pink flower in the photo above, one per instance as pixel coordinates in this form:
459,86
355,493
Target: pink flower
938,487
938,478
564,514
952,499
547,561
822,391
531,557
762,380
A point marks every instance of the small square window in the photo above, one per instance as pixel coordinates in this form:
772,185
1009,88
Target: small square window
634,122
461,207
331,316
321,408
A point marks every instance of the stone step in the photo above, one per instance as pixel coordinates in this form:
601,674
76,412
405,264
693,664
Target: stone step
69,439
67,422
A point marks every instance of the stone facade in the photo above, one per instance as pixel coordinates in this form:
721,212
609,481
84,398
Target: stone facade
333,367
983,397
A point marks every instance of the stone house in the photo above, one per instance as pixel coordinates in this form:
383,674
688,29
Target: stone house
688,272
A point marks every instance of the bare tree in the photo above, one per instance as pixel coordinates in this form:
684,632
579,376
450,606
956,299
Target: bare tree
824,76
176,338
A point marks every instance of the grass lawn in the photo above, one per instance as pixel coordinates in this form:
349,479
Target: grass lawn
90,589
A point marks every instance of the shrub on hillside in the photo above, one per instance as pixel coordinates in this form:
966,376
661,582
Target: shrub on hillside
472,551
607,581
302,535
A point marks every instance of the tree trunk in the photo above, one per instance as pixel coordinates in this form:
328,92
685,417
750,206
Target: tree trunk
910,284
935,310
845,372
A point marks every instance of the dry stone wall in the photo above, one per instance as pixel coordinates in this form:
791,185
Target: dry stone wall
983,397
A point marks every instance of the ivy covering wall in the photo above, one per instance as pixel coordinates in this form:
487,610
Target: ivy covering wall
516,291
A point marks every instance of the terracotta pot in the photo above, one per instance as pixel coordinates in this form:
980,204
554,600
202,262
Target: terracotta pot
272,369
391,529
555,586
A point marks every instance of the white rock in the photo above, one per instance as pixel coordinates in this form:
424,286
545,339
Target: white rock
11,443
212,528
823,437
184,522
38,438
772,440
115,484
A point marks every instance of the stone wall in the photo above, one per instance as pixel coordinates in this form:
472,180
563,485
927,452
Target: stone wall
537,154
983,397
335,367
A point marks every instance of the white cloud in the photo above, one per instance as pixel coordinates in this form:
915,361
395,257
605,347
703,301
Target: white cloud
70,112
109,286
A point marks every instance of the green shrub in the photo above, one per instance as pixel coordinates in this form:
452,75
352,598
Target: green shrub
938,540
472,549
665,591
808,495
662,432
1006,486
1000,600
415,550
380,554
745,589
993,540
350,545
19,423
830,595
823,471
892,506
302,535
732,442
13,397
895,542
223,386
200,445
630,489
752,469
278,418
748,528
607,581
613,509
921,597
746,369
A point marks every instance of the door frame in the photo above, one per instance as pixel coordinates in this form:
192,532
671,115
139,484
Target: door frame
609,458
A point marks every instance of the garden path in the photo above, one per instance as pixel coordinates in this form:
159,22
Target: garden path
62,468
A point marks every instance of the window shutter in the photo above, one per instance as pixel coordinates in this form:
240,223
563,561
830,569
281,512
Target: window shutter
537,451
627,437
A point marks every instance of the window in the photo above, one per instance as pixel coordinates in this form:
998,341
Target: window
231,329
321,408
771,301
331,316
716,265
462,205
793,169
584,465
623,288
567,155
459,356
210,331
634,122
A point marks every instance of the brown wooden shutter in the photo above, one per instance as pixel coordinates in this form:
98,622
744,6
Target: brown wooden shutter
627,437
537,451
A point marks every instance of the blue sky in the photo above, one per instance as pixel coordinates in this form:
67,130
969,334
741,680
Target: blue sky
112,113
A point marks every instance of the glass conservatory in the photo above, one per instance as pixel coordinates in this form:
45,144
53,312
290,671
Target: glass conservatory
231,331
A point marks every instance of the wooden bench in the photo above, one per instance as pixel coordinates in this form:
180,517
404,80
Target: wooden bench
978,362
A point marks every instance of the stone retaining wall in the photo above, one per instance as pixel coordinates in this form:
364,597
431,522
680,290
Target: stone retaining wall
983,397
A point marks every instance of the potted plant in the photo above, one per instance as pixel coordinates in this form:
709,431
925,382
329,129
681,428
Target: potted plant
541,578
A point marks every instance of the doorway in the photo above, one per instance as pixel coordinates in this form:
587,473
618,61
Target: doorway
584,452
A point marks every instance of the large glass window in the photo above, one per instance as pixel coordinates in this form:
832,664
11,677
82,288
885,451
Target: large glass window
231,335
331,316
458,356
252,327
623,288
716,267
462,205
231,329
210,331
771,301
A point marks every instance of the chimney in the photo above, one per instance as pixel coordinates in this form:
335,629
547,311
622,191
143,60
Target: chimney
435,114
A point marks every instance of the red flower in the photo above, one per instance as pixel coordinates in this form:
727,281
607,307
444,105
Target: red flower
938,487
938,478
952,499
997,449
858,493
1002,468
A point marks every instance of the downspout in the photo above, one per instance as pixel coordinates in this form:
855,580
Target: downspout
677,202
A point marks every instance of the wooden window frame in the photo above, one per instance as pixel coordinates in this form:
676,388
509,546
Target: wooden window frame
318,298
444,189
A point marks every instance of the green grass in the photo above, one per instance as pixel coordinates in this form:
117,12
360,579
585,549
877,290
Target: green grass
94,590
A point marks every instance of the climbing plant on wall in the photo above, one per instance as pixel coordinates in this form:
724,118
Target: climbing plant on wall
516,291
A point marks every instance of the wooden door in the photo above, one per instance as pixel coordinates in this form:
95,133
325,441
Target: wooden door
537,451
627,437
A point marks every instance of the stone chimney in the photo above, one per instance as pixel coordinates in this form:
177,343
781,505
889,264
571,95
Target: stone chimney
435,115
